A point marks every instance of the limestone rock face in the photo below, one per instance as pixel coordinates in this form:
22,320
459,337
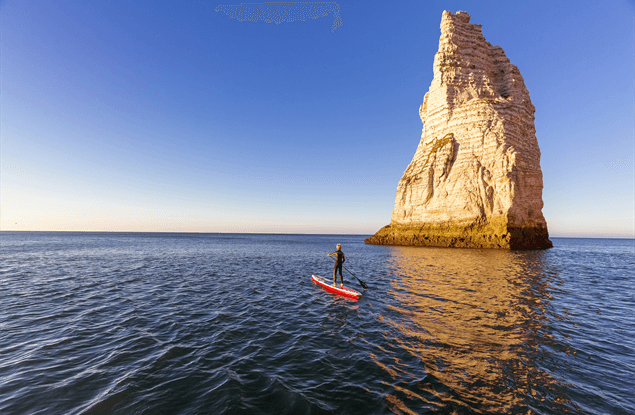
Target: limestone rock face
475,179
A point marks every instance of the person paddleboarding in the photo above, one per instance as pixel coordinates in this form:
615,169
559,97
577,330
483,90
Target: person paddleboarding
339,260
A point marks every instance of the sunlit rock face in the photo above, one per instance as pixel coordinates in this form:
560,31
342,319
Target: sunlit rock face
475,179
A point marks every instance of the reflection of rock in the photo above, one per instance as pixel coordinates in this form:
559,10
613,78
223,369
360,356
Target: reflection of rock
471,330
475,179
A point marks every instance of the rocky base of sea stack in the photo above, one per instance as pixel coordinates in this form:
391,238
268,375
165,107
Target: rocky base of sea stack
507,237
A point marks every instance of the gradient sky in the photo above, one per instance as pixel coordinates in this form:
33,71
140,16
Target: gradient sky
168,116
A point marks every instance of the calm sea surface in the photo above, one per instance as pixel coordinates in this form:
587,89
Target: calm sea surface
101,323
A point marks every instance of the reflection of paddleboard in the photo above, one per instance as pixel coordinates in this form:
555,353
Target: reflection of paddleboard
344,292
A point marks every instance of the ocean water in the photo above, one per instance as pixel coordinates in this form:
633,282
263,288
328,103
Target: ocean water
118,323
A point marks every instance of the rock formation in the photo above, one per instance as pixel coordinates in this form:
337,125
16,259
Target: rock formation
475,179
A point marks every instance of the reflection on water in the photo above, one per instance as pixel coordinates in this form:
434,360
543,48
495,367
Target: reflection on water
475,325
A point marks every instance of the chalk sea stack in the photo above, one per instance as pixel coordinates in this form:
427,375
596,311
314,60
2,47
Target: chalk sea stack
475,179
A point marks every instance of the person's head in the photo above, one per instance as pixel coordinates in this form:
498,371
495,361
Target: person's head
339,247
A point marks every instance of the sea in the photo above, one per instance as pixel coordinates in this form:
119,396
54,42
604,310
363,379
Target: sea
169,323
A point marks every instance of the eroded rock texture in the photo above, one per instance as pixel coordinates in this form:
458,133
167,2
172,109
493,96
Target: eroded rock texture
475,179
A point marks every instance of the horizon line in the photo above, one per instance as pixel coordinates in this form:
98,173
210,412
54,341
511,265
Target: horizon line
277,233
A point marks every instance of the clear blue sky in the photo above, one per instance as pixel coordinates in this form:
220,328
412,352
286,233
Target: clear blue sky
168,116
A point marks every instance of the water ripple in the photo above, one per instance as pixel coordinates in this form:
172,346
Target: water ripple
225,324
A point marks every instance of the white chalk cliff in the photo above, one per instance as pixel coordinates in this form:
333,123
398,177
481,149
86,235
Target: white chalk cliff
475,179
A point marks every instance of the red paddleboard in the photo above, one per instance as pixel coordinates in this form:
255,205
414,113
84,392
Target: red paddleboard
343,291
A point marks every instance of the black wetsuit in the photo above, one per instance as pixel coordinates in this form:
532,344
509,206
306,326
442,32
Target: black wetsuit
338,265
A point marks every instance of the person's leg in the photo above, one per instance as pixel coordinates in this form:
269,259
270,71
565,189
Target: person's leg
335,274
341,276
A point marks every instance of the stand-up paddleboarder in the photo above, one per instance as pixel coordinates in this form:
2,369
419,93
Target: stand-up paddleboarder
339,260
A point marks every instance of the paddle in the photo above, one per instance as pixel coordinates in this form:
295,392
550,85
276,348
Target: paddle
362,283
